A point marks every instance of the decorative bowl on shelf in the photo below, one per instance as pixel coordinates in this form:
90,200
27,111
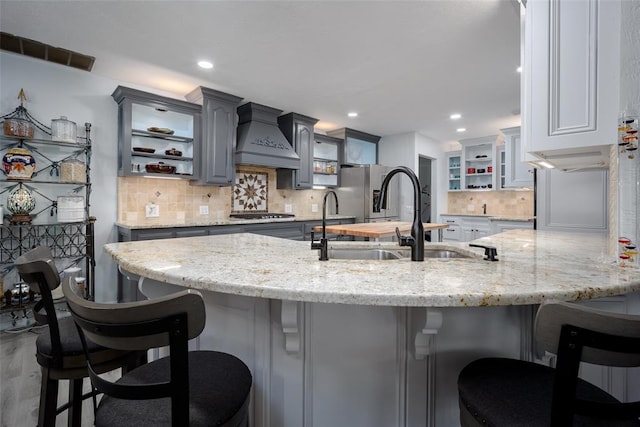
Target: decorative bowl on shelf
173,152
160,167
144,150
164,131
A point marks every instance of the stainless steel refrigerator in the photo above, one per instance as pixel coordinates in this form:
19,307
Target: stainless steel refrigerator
360,188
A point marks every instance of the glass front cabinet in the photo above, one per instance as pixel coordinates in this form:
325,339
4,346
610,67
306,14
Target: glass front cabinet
479,163
359,148
454,166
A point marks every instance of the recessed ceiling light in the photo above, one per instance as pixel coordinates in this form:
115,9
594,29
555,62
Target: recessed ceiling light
205,64
461,129
455,116
519,69
352,114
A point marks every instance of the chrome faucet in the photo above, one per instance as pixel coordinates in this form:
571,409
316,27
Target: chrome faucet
416,240
322,245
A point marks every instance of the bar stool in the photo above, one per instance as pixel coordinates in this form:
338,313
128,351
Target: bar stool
186,388
59,349
509,392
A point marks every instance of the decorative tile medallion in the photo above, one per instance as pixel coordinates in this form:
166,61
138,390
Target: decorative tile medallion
250,192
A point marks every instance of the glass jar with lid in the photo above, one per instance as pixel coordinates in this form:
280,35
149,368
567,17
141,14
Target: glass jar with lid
63,130
73,170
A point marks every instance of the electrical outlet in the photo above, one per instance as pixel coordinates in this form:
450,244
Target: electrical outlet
152,210
204,209
288,208
314,207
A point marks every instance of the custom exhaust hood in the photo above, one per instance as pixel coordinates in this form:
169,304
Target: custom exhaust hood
259,140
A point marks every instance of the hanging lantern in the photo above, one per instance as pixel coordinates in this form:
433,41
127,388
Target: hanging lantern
20,202
18,164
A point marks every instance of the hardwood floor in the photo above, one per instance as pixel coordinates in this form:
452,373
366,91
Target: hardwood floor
20,383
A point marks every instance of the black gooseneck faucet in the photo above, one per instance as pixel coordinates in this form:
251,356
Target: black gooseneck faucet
322,245
416,240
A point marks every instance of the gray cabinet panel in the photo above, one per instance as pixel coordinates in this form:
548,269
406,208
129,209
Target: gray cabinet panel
288,230
219,121
152,234
191,232
298,130
226,229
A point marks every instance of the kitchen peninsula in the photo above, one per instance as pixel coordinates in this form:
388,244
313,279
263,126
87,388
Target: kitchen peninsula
352,342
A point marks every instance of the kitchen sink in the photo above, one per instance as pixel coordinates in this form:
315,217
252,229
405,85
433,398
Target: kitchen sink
376,254
388,254
443,253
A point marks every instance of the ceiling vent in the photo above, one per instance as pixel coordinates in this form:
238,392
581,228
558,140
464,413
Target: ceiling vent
46,52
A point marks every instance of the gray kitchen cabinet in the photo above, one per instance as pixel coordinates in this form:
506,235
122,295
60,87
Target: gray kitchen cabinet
219,121
148,126
284,230
191,232
225,229
570,80
132,235
298,130
516,172
326,161
359,148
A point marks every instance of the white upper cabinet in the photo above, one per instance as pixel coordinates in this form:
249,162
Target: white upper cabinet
571,81
478,163
516,172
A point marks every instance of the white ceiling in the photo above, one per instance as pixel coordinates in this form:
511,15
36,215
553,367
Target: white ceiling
403,66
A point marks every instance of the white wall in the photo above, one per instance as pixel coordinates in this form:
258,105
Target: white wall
54,90
427,147
404,150
399,150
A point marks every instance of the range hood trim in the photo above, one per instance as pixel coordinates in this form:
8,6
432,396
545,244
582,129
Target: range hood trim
260,142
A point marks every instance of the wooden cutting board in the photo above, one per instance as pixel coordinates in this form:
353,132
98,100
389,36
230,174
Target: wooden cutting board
375,229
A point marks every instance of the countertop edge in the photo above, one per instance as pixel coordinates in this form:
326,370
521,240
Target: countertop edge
227,221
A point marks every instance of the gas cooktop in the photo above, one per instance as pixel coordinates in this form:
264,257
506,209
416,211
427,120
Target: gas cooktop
260,215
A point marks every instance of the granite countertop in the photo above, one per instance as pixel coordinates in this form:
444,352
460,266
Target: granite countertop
533,266
494,217
226,221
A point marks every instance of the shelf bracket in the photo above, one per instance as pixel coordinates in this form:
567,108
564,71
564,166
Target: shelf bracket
290,318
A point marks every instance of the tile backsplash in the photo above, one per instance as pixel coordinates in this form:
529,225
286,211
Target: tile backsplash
179,202
503,202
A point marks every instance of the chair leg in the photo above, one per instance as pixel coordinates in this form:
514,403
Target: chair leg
48,400
74,413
